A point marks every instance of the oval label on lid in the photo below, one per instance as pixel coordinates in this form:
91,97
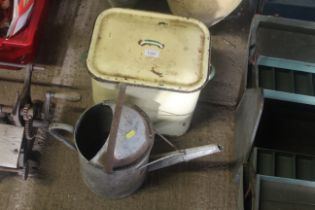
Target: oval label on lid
151,53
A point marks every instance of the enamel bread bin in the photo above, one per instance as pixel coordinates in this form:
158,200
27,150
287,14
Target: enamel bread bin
163,59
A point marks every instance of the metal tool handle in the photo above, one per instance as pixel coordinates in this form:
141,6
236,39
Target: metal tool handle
54,129
68,96
180,156
6,109
21,66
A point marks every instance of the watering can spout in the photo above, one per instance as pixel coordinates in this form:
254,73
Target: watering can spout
185,155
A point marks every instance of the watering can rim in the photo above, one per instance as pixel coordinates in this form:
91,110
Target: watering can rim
150,133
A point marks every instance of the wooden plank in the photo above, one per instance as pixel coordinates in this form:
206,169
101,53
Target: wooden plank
10,145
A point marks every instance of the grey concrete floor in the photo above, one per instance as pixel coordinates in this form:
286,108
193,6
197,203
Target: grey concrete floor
207,183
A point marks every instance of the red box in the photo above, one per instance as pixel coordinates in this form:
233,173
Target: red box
20,48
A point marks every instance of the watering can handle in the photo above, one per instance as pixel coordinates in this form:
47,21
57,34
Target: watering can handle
108,158
185,155
55,127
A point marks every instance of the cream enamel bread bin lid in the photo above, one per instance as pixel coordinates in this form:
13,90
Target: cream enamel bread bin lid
163,59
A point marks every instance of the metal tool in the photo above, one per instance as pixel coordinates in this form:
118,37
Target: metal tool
31,118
